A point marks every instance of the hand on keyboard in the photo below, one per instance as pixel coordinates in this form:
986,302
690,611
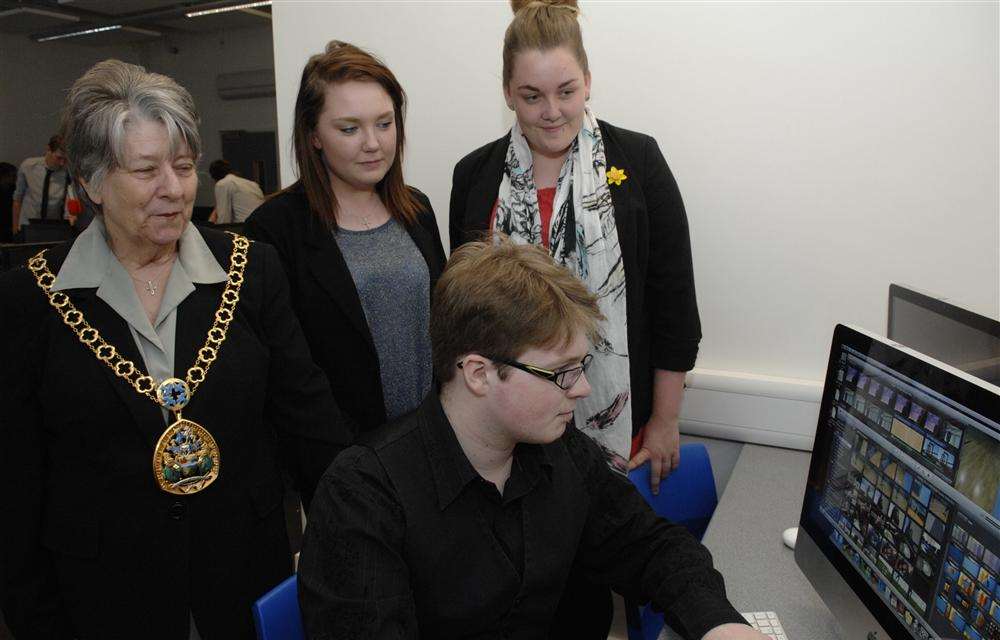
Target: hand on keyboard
734,632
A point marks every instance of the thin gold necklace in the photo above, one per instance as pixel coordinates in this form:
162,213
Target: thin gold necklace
150,285
364,217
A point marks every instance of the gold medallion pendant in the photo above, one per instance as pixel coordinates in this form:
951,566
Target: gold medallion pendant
186,457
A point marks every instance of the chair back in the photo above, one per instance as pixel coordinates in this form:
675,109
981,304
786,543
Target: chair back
687,497
276,614
14,255
47,231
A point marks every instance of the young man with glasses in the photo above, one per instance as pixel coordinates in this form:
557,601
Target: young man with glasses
463,518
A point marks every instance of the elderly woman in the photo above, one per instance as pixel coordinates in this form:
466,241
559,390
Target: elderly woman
154,376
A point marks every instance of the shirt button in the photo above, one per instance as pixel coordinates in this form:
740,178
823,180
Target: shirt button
177,510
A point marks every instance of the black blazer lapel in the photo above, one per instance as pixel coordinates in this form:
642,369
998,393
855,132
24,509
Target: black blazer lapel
428,249
623,198
329,267
194,318
483,191
146,414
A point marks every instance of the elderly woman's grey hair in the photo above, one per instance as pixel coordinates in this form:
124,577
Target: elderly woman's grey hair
103,103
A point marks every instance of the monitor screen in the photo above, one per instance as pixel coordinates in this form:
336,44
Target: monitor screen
902,501
951,334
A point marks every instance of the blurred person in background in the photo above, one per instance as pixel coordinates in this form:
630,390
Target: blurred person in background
235,196
42,186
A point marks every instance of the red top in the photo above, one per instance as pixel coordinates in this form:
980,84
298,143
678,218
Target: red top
545,200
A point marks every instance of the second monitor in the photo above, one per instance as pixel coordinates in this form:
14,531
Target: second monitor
947,332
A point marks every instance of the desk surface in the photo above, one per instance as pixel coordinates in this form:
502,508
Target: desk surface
762,499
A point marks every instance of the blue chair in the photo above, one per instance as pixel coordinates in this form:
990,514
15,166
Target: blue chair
687,497
276,613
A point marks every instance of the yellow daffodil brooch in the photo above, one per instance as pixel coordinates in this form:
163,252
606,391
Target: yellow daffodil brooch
616,176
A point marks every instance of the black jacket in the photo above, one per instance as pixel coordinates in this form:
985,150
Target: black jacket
326,301
663,325
92,548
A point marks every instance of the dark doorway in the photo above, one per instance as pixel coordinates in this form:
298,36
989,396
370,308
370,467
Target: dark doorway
253,155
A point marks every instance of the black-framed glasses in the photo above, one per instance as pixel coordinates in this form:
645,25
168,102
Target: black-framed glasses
563,378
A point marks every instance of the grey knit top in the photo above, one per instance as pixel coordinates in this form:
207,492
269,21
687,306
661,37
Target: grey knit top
393,283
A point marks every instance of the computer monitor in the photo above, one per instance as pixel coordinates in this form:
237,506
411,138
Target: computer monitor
949,333
900,525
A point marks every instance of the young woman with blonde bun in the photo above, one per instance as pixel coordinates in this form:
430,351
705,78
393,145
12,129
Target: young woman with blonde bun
604,202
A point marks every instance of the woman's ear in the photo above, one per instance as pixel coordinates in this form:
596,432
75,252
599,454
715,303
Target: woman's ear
508,98
93,194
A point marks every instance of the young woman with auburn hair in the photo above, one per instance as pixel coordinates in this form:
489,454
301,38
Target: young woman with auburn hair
361,248
604,202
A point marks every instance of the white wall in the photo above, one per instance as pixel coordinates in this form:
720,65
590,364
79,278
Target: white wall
37,75
824,150
33,86
198,60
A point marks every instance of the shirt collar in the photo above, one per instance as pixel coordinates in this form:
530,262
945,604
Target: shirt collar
87,264
40,162
451,468
531,465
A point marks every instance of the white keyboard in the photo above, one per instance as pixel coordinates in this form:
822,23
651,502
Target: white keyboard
767,623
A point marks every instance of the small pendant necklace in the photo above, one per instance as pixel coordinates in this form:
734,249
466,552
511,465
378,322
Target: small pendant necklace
363,216
150,286
364,219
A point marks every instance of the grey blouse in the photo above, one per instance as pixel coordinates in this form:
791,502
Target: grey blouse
393,283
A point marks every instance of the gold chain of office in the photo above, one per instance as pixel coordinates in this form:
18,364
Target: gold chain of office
126,369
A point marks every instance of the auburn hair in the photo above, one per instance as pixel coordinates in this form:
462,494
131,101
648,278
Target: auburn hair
342,62
500,299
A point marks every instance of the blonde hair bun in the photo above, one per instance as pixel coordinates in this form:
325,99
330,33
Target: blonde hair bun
542,25
518,5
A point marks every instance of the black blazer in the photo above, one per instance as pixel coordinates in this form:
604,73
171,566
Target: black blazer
663,325
92,548
326,301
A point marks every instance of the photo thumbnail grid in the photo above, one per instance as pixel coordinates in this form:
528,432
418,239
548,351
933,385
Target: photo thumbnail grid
933,567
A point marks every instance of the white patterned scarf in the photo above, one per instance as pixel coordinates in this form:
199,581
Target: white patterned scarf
584,238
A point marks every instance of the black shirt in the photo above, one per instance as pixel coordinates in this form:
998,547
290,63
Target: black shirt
406,540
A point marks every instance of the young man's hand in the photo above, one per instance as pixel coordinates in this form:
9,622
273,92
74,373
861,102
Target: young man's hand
734,631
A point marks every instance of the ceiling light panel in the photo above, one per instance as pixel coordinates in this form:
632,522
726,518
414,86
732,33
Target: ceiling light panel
235,7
